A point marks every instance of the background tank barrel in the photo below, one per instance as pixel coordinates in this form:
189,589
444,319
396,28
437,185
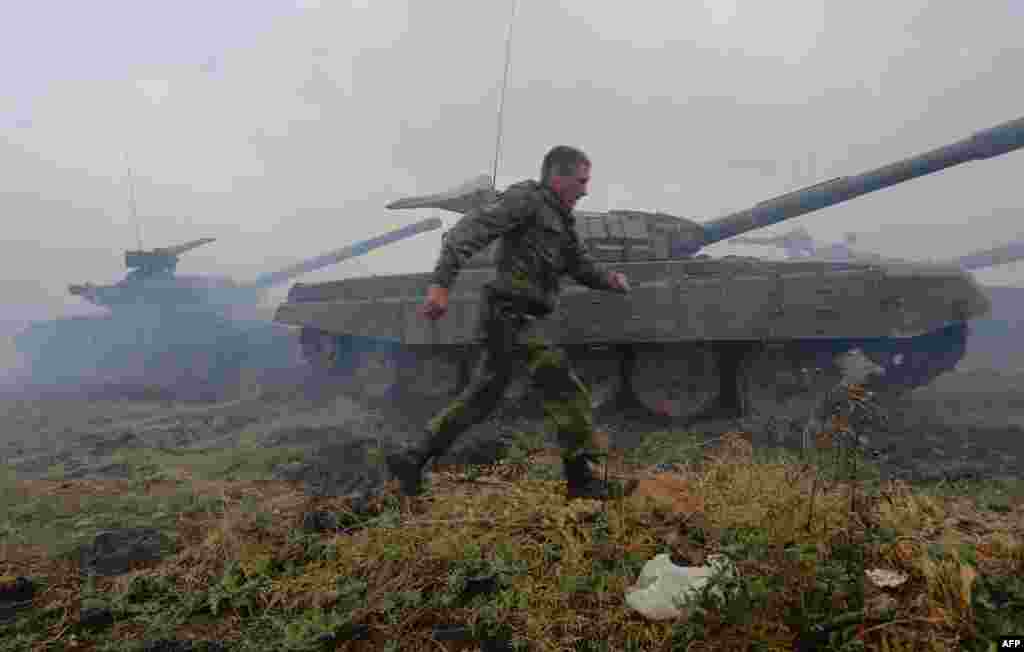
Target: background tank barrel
798,235
797,242
765,240
187,246
461,199
358,249
995,141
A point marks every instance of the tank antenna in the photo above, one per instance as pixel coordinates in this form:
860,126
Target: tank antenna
504,85
131,201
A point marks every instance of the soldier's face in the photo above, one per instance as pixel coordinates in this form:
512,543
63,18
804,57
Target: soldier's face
571,187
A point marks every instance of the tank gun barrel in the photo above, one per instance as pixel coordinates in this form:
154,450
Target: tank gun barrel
460,199
187,246
988,143
358,249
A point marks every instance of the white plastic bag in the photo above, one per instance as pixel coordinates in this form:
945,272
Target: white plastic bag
662,585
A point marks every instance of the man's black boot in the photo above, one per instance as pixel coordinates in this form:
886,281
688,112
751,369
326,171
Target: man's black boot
407,467
582,483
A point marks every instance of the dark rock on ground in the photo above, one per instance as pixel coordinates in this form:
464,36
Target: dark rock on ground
16,589
16,593
319,521
96,616
347,632
113,552
453,633
480,585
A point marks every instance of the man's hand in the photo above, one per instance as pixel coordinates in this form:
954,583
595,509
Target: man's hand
619,282
436,304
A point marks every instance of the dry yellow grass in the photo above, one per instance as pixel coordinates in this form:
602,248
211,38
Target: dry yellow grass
566,566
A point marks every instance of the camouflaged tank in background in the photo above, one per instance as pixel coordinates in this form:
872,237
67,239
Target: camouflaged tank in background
164,330
697,335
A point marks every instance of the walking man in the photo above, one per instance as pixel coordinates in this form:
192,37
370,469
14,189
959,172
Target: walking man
538,245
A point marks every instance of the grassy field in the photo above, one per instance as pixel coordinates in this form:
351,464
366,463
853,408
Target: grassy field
494,557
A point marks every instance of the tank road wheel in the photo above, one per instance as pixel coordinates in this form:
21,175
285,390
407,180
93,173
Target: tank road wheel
675,381
729,380
375,374
787,381
601,371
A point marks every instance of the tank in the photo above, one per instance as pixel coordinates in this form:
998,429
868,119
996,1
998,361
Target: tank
698,336
182,332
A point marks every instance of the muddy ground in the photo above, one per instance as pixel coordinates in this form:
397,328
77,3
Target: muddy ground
968,425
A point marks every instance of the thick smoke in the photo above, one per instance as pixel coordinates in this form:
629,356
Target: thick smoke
189,337
181,352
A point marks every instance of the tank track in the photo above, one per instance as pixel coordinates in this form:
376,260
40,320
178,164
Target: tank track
681,383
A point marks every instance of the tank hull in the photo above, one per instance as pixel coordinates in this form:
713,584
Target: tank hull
688,330
673,301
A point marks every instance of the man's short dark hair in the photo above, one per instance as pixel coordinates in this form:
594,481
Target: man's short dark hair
561,160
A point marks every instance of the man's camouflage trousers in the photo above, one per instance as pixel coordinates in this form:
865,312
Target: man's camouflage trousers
512,344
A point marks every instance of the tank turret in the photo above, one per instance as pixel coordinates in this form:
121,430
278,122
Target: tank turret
152,281
158,263
623,236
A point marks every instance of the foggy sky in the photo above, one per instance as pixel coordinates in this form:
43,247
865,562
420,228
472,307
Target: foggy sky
282,128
